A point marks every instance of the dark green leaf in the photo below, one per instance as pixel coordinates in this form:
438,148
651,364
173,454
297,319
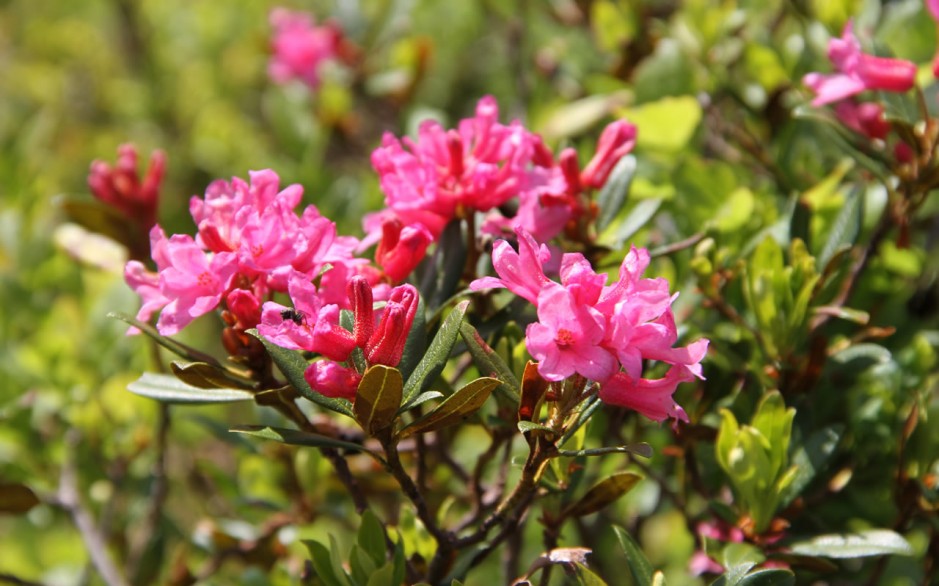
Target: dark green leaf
378,398
617,235
489,363
854,545
437,354
17,499
170,344
371,537
298,438
771,577
585,577
456,408
602,494
809,458
169,389
383,576
208,376
613,194
639,565
416,344
420,400
293,365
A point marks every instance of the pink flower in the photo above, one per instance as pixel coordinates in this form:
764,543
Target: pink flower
521,272
386,344
858,72
401,248
652,398
617,140
299,48
120,186
866,118
567,337
331,379
446,174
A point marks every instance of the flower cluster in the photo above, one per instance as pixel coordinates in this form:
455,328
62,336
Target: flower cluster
600,332
300,48
249,244
503,171
313,325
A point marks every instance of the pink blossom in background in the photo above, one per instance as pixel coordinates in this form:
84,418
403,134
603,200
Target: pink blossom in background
299,47
617,140
858,72
866,118
121,186
602,332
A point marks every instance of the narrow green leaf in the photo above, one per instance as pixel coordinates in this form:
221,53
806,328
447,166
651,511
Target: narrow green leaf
361,564
616,235
296,437
613,194
437,354
641,449
178,348
167,388
293,365
336,561
854,545
420,400
371,537
322,564
383,576
378,398
416,343
489,363
17,499
639,565
456,408
771,577
846,227
602,494
585,577
208,376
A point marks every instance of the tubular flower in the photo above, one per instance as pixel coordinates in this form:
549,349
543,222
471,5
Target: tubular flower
604,333
858,72
121,186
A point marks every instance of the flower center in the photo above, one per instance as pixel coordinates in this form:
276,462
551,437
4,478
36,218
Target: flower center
564,338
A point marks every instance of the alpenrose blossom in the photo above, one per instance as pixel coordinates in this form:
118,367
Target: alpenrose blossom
858,71
601,332
121,186
300,48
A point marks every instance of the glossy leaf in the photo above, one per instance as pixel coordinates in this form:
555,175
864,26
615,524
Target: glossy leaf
167,388
431,365
603,493
769,577
810,458
207,376
378,398
489,363
854,545
371,537
17,499
458,407
420,400
845,228
296,437
293,365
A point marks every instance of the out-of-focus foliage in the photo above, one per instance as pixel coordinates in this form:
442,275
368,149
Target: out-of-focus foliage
766,214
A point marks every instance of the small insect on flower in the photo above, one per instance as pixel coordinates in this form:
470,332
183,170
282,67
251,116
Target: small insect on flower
294,315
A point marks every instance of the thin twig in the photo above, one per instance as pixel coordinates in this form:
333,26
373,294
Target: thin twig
159,489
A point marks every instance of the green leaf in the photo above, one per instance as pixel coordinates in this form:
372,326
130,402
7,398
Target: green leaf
378,398
854,545
420,400
456,408
322,565
585,577
371,537
602,494
293,365
383,576
613,194
639,565
666,124
738,558
845,228
208,376
296,437
431,365
489,363
361,564
809,458
771,577
17,499
640,449
170,344
335,560
167,388
617,233
416,343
